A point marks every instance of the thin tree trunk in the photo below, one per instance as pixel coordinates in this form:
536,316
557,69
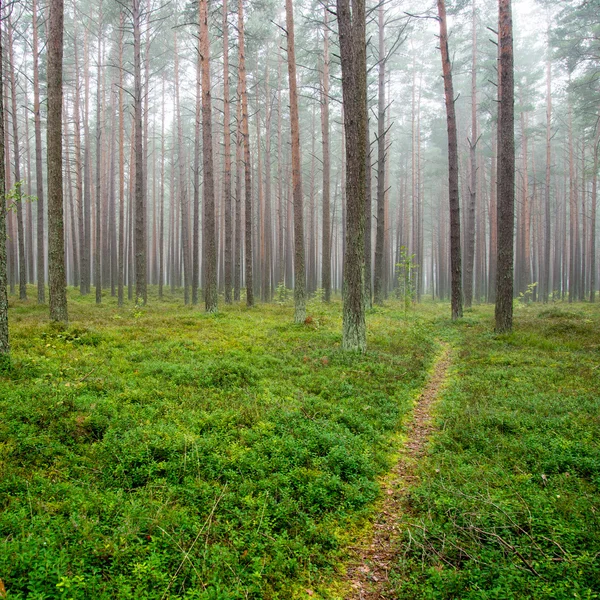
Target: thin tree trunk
121,250
326,261
99,127
299,273
247,165
227,159
546,288
18,182
4,342
140,200
455,259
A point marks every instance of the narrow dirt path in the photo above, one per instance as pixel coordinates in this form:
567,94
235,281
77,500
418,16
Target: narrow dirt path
373,557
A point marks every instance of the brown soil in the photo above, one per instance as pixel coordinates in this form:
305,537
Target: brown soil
373,557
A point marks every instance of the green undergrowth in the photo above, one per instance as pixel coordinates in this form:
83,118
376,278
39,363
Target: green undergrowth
159,452
508,504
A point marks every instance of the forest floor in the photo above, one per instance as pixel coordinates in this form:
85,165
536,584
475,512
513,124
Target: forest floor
159,452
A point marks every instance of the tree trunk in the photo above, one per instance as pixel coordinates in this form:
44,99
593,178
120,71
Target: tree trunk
326,261
4,343
39,176
593,219
227,159
99,127
546,288
18,182
378,283
352,36
506,171
141,295
56,241
247,165
299,274
210,266
121,242
455,259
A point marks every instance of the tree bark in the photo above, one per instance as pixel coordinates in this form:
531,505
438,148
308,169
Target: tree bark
56,242
299,273
326,260
4,341
455,258
227,160
506,171
210,266
352,36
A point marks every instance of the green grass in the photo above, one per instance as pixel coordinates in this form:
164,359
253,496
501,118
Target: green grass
163,453
508,504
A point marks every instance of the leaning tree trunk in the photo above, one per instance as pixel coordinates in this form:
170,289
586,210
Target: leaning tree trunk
506,171
56,241
210,257
4,345
352,35
455,260
299,274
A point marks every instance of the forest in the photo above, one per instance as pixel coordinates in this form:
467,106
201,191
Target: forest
298,299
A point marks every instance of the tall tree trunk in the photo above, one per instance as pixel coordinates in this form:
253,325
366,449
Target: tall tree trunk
56,240
227,159
352,36
470,241
4,343
326,265
99,127
247,165
87,178
140,200
299,273
378,283
593,218
546,289
18,182
455,259
121,242
39,176
506,171
237,270
210,266
268,229
196,226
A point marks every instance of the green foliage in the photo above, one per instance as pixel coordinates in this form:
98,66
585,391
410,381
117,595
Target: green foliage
507,501
283,295
158,452
406,272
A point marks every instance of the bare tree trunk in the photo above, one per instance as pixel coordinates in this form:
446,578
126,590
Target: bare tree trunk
237,271
326,261
56,240
121,242
378,283
546,288
39,176
4,343
196,226
140,200
247,165
18,182
455,259
470,241
593,219
227,159
352,36
268,228
299,273
99,127
210,266
506,171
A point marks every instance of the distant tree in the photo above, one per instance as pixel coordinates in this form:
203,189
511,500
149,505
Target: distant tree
4,345
351,19
56,240
506,170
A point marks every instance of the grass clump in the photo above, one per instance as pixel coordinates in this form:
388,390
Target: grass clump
157,452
